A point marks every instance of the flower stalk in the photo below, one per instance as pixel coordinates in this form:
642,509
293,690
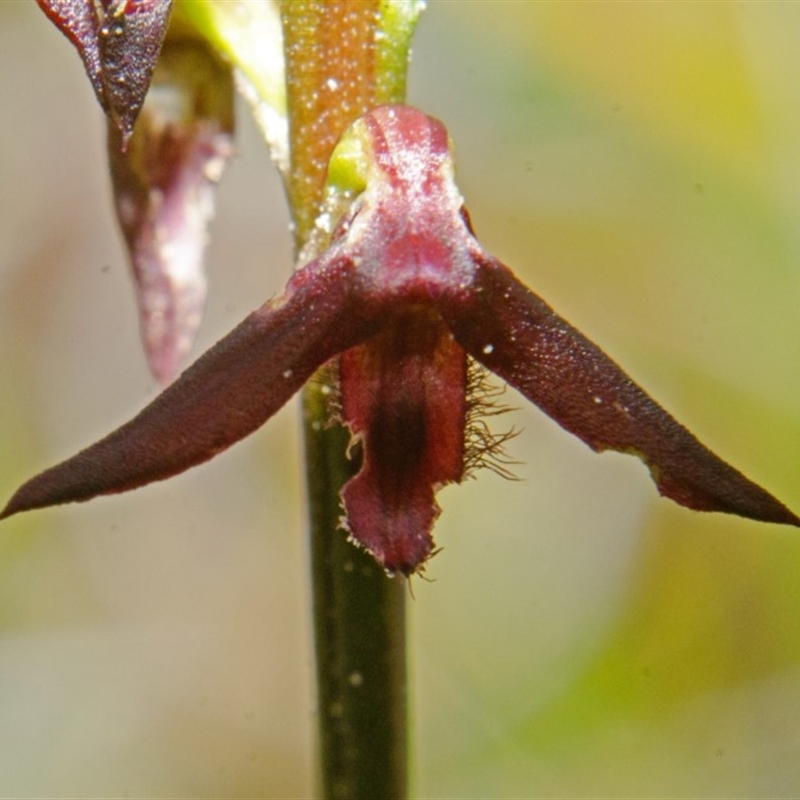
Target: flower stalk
342,59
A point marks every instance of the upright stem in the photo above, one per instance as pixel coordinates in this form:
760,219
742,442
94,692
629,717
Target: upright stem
359,622
343,58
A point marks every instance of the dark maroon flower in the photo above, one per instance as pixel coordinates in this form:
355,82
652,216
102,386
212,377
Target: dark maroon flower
404,295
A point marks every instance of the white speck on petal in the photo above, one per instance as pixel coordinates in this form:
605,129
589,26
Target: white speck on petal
488,349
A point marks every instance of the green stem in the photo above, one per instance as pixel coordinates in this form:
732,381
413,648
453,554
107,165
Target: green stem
343,58
359,622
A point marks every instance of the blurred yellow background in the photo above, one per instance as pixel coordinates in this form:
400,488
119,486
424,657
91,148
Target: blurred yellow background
638,164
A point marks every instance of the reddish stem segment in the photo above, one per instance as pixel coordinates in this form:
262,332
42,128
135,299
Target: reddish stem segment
330,68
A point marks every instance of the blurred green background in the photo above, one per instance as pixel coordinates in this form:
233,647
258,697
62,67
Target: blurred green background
638,164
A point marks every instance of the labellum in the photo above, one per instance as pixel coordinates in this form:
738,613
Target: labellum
403,295
404,393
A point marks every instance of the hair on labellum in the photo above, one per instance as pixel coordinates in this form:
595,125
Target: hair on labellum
483,447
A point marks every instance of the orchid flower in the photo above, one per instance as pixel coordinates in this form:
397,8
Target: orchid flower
401,301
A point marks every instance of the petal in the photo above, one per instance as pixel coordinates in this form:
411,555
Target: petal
77,20
403,395
520,338
118,42
228,393
130,39
164,193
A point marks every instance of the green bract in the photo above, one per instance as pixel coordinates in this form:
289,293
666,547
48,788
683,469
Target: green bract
350,162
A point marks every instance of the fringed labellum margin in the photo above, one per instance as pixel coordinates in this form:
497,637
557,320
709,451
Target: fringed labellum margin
403,294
